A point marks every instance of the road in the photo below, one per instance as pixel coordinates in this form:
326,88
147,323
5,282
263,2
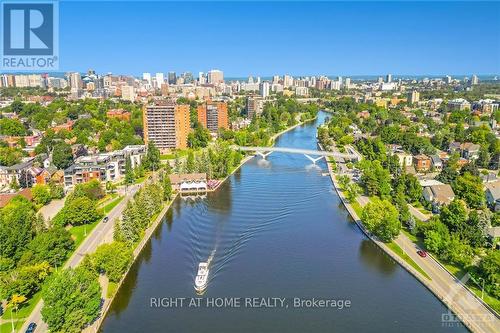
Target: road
102,233
449,289
418,214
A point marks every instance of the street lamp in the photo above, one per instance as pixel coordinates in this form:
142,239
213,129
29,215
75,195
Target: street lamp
482,288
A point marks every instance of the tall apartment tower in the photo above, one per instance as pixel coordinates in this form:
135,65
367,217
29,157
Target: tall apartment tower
264,89
172,78
215,76
167,125
413,97
213,115
75,81
255,106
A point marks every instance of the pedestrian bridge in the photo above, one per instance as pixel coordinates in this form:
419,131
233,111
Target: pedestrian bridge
311,154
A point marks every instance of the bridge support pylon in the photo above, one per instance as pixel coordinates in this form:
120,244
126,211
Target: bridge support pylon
314,160
264,155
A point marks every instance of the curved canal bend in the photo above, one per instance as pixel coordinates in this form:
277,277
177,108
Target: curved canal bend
277,229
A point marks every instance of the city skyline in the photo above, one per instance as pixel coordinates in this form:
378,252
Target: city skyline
307,39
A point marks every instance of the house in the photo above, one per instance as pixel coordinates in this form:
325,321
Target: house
191,182
455,147
438,195
470,151
6,197
119,114
436,163
492,191
458,104
9,173
365,114
422,163
405,160
489,177
494,236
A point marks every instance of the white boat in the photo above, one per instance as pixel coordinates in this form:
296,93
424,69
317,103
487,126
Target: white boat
201,280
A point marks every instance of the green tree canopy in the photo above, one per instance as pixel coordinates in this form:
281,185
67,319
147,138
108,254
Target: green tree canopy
382,219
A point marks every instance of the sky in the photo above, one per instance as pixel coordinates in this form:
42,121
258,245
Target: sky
266,38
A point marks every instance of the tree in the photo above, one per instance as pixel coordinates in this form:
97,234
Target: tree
470,189
56,191
344,181
53,246
129,227
167,188
80,211
381,218
190,166
458,251
41,194
114,259
71,300
62,155
15,227
352,192
488,270
25,280
152,159
129,173
436,237
10,156
413,188
110,187
199,138
454,216
11,127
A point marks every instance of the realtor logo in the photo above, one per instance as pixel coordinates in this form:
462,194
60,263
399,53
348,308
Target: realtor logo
29,35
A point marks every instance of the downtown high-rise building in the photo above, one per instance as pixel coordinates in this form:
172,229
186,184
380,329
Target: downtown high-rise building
213,116
388,78
75,81
474,80
215,76
172,78
166,124
413,97
264,89
159,80
146,77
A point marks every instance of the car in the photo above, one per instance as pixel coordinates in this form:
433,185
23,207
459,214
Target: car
105,219
422,253
31,328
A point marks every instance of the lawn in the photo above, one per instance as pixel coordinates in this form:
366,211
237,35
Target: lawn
109,207
106,198
180,153
396,249
112,287
357,208
78,233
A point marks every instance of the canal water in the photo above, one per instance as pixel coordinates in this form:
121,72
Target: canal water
275,229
